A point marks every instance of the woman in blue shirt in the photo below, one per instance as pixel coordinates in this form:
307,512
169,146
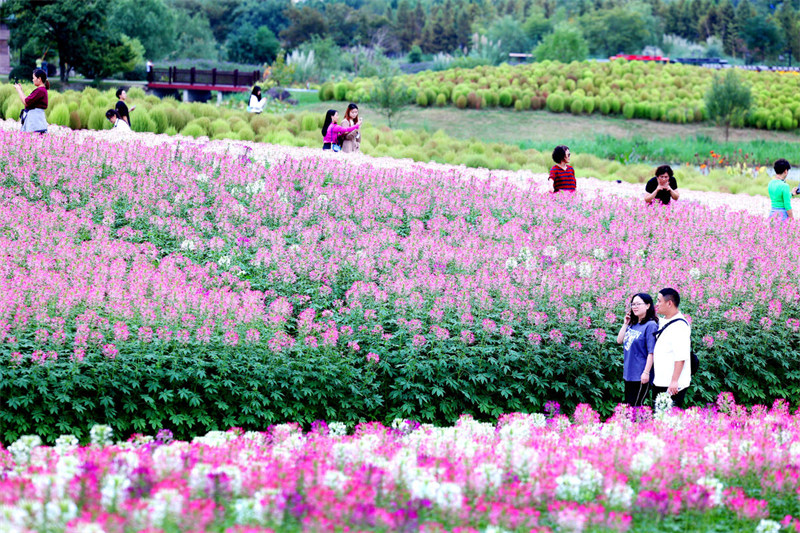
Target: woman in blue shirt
638,339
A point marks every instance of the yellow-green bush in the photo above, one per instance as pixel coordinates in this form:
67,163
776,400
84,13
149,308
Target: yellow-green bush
59,115
194,130
141,121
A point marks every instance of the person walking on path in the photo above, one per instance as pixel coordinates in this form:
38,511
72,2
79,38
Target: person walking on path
638,339
331,130
662,187
780,194
33,117
351,142
562,174
122,107
673,348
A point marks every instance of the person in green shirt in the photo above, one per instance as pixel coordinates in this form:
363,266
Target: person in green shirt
780,194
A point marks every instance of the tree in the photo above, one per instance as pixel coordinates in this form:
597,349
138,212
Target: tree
78,29
408,32
565,44
537,26
305,23
728,100
257,13
152,22
762,38
248,45
613,31
787,19
510,35
389,95
194,38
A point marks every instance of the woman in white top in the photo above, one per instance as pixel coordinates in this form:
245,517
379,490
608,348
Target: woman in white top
117,123
257,103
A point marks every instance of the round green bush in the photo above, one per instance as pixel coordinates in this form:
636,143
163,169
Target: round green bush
193,130
170,131
246,134
140,121
340,91
59,115
616,105
555,103
307,123
629,110
75,120
526,102
605,106
441,100
518,105
588,105
326,91
576,107
461,101
505,98
219,126
98,120
159,118
422,99
431,95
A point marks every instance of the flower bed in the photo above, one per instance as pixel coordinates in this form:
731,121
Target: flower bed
725,468
168,285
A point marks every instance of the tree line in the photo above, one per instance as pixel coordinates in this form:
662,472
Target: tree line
101,37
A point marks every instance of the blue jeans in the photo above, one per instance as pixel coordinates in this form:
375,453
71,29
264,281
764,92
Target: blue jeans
779,214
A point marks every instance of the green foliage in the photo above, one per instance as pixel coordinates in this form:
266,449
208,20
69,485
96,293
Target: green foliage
505,98
159,117
422,99
728,99
249,45
415,55
194,130
141,121
327,91
565,44
389,95
555,103
98,120
59,115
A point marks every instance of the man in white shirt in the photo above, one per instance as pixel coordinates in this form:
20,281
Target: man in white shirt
672,353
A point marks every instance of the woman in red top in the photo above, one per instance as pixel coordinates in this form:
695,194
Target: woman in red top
35,103
562,174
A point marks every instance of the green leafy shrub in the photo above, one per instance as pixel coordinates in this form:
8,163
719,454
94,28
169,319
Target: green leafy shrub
340,90
75,120
194,130
219,126
422,99
98,120
246,134
505,98
576,107
441,100
140,121
555,103
461,101
159,117
59,115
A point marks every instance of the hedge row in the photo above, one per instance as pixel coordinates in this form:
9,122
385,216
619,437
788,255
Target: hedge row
192,390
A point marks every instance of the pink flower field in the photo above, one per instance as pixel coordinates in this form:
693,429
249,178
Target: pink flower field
161,286
719,469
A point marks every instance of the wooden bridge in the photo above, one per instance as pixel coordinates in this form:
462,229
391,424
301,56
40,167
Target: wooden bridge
196,85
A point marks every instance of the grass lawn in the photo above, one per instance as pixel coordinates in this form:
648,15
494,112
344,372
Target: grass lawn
603,136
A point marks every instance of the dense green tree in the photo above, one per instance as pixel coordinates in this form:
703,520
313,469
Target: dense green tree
152,22
566,43
762,38
304,23
727,28
408,31
613,31
509,32
220,14
250,45
537,26
787,19
728,100
77,29
258,13
194,38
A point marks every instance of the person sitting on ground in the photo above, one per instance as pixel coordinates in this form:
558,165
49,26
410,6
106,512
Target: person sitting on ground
331,130
562,174
663,187
780,194
117,123
257,103
122,107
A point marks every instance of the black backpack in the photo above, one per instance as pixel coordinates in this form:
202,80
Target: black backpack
695,362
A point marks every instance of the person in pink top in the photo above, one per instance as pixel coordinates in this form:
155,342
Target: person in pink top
331,130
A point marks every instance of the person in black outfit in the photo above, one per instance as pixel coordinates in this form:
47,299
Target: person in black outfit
663,187
122,108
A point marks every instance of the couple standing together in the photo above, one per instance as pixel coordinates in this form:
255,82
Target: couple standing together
657,353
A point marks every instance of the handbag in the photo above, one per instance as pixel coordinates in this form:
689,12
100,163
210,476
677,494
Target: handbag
336,148
22,116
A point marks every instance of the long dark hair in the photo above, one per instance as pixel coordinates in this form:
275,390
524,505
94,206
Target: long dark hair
256,91
328,120
42,75
651,311
350,107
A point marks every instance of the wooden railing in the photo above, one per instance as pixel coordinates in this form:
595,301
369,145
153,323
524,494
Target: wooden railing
203,79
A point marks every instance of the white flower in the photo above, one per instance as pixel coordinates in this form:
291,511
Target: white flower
768,526
188,244
794,453
694,273
224,261
337,429
335,480
582,486
201,177
663,403
165,505
714,487
210,481
22,447
66,443
585,269
600,253
550,251
511,264
114,491
101,435
525,254
620,496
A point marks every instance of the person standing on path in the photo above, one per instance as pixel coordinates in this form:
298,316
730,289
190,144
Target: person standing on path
35,103
122,107
331,130
638,339
780,194
673,348
562,174
662,187
351,142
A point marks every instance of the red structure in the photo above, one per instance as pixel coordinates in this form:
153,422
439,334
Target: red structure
630,57
192,79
